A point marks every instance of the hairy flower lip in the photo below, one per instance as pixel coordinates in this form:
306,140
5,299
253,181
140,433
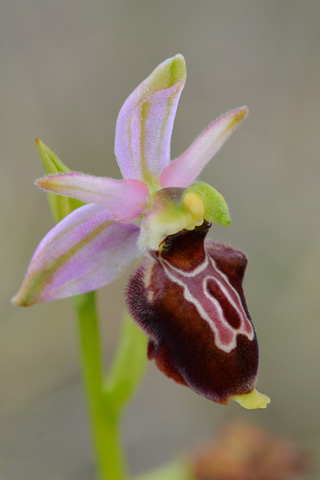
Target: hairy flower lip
188,338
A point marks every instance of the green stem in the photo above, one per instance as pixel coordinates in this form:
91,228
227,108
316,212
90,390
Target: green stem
104,418
128,365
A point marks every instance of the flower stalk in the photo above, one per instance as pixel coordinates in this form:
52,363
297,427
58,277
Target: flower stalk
104,417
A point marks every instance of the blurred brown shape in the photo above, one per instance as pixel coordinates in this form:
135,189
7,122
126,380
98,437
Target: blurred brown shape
246,452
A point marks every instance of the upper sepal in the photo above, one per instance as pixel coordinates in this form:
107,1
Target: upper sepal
145,121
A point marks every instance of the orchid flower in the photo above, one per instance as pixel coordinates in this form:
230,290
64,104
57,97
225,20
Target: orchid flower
187,294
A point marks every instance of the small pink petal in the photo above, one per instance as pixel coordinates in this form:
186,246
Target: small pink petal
125,199
145,121
186,168
83,252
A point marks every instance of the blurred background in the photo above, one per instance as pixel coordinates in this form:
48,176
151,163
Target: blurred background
66,69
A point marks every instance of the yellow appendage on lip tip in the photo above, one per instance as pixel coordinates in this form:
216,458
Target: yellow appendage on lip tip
252,400
196,207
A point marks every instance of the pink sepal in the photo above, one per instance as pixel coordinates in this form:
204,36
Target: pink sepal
145,121
84,252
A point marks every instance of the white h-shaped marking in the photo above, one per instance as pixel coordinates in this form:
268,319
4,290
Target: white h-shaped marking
225,336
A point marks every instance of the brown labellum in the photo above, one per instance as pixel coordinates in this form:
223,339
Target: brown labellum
188,298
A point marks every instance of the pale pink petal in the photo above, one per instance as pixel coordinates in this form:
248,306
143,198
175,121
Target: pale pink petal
125,199
83,252
144,125
186,168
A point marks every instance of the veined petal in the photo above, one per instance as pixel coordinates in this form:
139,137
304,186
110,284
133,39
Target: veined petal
145,121
185,169
125,199
85,251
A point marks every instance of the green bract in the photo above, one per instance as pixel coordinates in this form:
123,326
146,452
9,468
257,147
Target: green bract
60,206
